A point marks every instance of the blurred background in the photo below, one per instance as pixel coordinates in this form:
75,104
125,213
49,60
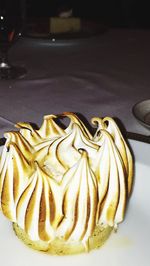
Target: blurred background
113,13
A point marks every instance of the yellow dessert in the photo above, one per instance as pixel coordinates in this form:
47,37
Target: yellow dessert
65,25
65,189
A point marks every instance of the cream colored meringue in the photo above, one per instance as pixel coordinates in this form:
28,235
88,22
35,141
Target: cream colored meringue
57,182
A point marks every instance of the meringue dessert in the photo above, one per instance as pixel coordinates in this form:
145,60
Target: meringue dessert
63,188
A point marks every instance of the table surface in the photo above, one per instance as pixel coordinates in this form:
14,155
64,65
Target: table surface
104,75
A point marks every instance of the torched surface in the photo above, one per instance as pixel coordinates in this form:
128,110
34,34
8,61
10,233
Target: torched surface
61,182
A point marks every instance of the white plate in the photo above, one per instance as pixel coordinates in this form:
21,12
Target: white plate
141,111
130,246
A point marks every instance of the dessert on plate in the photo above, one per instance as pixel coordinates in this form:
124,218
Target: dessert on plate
63,188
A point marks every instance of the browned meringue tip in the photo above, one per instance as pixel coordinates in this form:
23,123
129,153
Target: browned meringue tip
83,152
108,118
96,121
75,125
23,125
7,134
36,166
47,117
19,124
10,143
68,114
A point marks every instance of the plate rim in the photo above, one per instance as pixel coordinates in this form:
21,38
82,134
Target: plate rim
135,114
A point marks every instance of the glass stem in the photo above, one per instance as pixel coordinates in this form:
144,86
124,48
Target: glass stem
4,63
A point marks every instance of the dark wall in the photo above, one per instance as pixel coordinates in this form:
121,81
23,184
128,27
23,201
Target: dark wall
111,12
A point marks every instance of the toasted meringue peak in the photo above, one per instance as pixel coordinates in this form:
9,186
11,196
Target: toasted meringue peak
28,132
79,201
75,119
50,128
109,125
57,182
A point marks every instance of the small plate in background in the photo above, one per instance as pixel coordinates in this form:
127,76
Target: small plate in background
141,111
39,28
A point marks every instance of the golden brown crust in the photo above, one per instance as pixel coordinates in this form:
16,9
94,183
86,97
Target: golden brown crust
62,247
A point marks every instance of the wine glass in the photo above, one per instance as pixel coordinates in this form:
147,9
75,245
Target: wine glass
11,25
